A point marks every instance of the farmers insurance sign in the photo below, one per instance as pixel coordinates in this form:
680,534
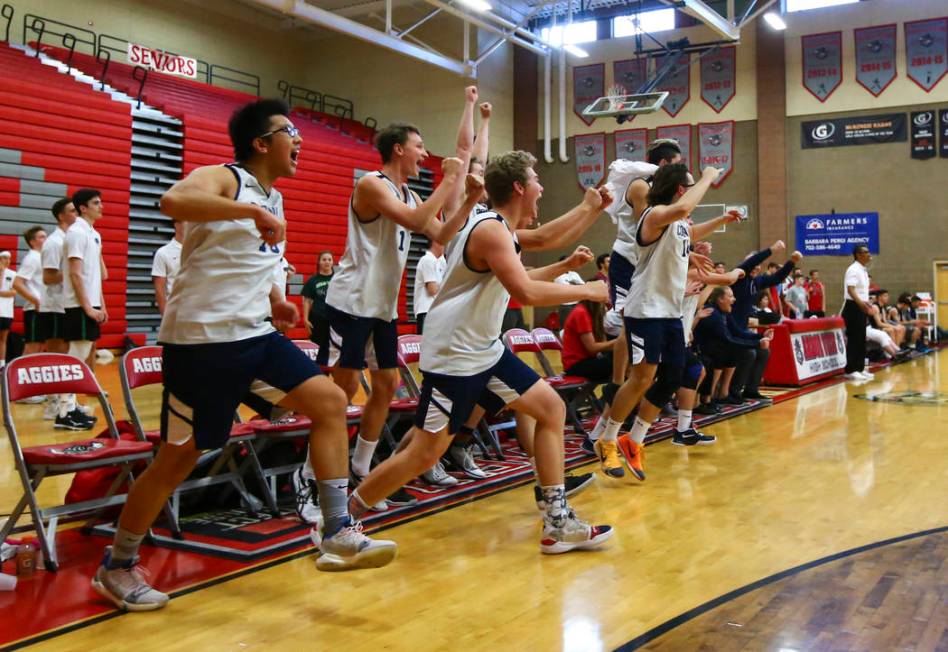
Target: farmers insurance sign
160,61
837,234
818,353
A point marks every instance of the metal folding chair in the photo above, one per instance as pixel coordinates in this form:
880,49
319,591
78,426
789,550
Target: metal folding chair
56,373
576,390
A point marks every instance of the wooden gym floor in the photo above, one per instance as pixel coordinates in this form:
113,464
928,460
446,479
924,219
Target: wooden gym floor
776,538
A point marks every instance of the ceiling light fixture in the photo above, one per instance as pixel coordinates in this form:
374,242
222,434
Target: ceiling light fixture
476,5
775,21
576,51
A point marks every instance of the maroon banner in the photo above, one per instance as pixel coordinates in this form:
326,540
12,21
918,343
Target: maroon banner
682,134
716,148
677,83
630,74
719,78
589,153
926,51
875,57
822,63
631,144
589,83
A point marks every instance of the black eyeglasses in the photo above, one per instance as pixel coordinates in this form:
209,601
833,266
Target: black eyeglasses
290,130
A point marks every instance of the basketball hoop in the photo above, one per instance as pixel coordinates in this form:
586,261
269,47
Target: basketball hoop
617,104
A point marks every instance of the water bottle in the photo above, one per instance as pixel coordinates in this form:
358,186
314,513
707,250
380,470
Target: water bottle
25,559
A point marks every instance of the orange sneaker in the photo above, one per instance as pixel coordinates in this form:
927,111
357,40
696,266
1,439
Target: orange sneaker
634,455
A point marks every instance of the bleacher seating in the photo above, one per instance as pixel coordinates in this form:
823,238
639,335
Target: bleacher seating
59,135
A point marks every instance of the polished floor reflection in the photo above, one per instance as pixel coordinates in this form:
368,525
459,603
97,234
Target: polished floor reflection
784,486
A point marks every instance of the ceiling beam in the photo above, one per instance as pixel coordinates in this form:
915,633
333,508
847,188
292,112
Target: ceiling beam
707,15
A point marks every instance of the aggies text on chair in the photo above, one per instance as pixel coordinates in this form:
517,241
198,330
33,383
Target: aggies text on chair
56,373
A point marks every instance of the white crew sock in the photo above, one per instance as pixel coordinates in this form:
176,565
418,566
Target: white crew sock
611,431
639,430
684,420
362,456
599,429
307,469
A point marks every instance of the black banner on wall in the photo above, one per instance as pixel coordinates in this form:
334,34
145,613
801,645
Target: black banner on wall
923,134
862,130
943,128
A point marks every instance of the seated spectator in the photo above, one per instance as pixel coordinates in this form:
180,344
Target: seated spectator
879,319
908,317
876,334
725,345
797,296
762,312
586,351
602,267
817,295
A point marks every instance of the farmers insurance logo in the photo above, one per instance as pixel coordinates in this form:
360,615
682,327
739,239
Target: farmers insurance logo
815,224
823,131
923,119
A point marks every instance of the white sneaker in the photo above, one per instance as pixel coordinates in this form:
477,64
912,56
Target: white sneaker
307,499
33,400
855,375
51,411
87,410
866,375
316,536
349,549
573,535
464,459
437,476
126,587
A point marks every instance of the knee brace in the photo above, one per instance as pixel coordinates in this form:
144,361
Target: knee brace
691,375
666,384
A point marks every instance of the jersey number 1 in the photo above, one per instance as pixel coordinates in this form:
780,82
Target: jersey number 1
401,240
685,246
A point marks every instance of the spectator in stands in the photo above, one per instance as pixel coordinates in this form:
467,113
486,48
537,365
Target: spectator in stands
83,273
165,266
751,369
762,313
429,274
602,267
29,285
7,293
571,277
725,345
855,313
314,300
51,305
797,296
816,296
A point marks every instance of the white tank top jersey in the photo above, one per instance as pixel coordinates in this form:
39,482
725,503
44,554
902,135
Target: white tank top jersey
689,307
369,275
52,257
625,243
658,286
222,291
6,303
462,329
31,271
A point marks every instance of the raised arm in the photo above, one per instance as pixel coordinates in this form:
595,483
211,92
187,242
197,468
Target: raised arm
770,280
756,259
206,195
444,232
582,256
662,215
491,246
567,228
373,198
482,142
464,146
703,230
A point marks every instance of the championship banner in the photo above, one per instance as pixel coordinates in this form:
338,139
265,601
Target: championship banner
160,61
719,78
875,57
716,148
590,156
923,135
822,63
815,354
682,134
926,51
589,83
943,128
677,83
630,74
863,130
837,234
631,144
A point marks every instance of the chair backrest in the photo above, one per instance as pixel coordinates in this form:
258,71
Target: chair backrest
520,342
48,373
409,347
141,366
548,341
309,348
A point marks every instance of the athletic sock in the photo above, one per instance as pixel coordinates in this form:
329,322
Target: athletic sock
124,547
639,430
554,504
307,468
684,420
611,431
362,456
334,503
598,430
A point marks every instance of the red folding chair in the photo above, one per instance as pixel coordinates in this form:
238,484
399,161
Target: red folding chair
576,390
56,373
141,367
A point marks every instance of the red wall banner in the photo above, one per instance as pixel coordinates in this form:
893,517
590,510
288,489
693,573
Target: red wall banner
716,148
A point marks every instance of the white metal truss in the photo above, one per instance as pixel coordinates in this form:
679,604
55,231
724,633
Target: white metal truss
729,27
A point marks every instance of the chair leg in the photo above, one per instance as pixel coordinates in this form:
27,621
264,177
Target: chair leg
13,518
46,545
494,440
238,484
257,469
479,441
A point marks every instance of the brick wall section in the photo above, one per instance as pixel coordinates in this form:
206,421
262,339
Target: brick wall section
771,135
